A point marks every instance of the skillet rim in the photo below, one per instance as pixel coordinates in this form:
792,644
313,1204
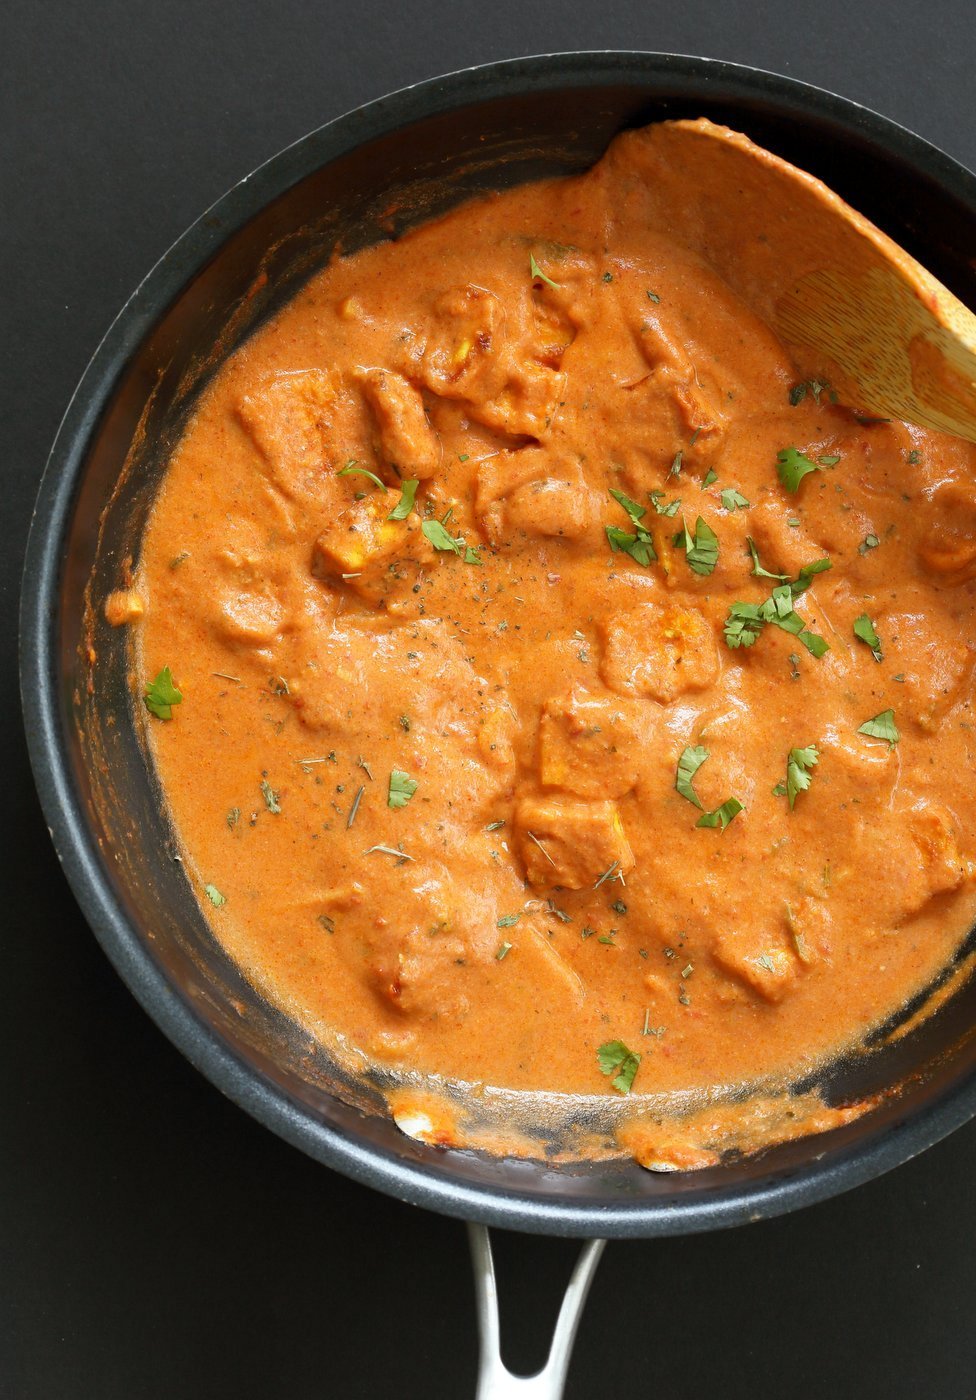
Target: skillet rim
819,1179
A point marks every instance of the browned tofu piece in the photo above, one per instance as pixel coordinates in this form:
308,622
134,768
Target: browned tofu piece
360,538
660,652
763,965
306,426
933,831
502,361
527,493
406,439
949,548
914,863
570,844
588,746
936,662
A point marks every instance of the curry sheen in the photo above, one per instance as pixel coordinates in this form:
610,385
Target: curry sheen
545,889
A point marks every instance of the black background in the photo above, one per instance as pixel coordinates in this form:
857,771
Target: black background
156,1242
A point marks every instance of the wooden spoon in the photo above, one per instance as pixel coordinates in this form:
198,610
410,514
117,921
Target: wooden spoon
848,303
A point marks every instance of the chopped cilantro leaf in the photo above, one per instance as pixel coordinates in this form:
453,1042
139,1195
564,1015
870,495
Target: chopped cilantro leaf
537,273
746,620
672,507
214,895
799,771
710,477
733,500
403,507
440,538
653,296
815,387
353,469
635,511
688,765
864,631
721,817
743,624
792,466
757,568
508,920
161,695
270,797
615,1059
701,549
402,788
638,544
869,542
881,727
807,573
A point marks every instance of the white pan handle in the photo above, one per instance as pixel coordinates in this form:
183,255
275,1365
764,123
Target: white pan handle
495,1381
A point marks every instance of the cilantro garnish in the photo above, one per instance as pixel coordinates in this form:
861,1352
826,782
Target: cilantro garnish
881,727
688,765
352,468
402,788
799,773
792,466
869,542
743,624
807,573
701,549
214,895
537,272
746,620
635,511
442,540
614,1058
508,920
270,797
672,507
814,387
864,631
757,568
721,817
733,500
638,544
161,695
503,951
710,477
403,507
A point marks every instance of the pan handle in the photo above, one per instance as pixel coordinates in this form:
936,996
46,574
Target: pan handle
495,1381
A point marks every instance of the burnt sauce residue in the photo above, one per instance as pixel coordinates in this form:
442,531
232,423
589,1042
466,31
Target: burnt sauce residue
572,700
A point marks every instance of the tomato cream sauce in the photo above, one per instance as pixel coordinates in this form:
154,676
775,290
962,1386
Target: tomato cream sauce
424,765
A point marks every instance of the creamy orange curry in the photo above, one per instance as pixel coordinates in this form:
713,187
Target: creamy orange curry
548,689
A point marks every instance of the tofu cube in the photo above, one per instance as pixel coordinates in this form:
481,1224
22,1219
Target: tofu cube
588,747
569,844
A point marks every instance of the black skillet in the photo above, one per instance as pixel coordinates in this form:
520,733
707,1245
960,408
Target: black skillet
361,178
